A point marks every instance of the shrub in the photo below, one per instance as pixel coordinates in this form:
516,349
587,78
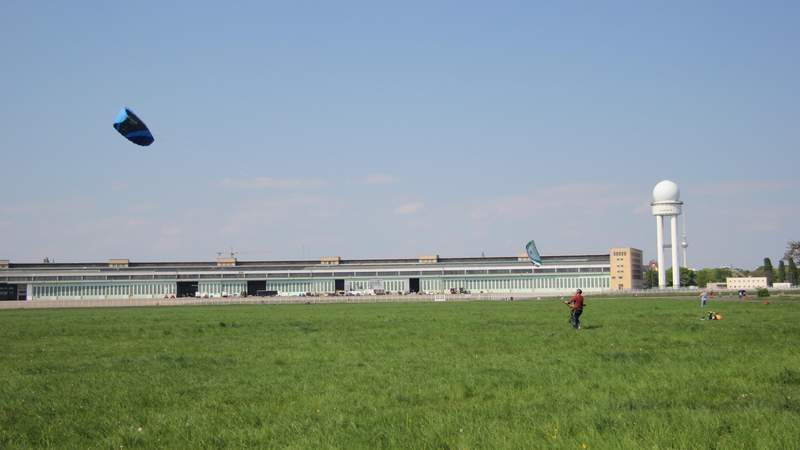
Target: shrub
763,292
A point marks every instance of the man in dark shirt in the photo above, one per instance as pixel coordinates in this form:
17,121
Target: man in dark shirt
576,307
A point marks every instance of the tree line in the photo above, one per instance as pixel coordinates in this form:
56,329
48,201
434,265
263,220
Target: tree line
786,272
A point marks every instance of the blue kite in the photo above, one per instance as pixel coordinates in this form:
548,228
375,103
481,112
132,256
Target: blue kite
533,254
131,126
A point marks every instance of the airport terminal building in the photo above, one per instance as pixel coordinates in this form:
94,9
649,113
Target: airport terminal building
120,278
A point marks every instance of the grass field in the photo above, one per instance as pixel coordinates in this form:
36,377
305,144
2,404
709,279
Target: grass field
643,373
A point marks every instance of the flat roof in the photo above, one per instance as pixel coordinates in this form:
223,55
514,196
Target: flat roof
306,264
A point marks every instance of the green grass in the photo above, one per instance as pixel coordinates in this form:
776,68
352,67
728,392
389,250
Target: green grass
643,373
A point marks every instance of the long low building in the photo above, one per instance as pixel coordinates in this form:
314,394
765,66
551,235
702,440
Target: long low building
746,282
121,278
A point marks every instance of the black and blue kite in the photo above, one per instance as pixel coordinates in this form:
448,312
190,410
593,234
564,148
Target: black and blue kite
132,127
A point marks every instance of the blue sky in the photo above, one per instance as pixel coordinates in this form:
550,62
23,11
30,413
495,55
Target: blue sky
361,129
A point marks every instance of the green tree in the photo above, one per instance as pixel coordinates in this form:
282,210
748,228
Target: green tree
760,271
720,275
791,275
781,272
650,278
704,276
687,277
768,271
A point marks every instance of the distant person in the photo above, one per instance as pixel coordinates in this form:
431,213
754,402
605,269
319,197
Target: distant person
742,294
576,309
703,299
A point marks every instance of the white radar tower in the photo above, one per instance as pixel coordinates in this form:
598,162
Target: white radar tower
666,203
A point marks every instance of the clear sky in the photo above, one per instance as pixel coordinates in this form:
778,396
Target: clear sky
378,129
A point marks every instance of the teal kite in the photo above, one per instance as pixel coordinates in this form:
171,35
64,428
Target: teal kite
533,254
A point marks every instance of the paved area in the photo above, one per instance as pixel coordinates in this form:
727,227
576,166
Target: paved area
137,302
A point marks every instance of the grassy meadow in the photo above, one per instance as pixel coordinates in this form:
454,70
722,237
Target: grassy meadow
643,373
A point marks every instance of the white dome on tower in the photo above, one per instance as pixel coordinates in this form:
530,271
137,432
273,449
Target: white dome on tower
666,191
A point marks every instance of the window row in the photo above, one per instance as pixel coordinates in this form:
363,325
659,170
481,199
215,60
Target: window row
222,287
103,290
520,284
300,286
387,285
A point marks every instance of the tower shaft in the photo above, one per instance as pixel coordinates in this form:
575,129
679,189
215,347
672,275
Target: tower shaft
676,267
662,275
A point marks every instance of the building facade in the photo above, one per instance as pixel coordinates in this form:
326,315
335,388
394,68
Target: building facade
120,278
626,268
746,282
